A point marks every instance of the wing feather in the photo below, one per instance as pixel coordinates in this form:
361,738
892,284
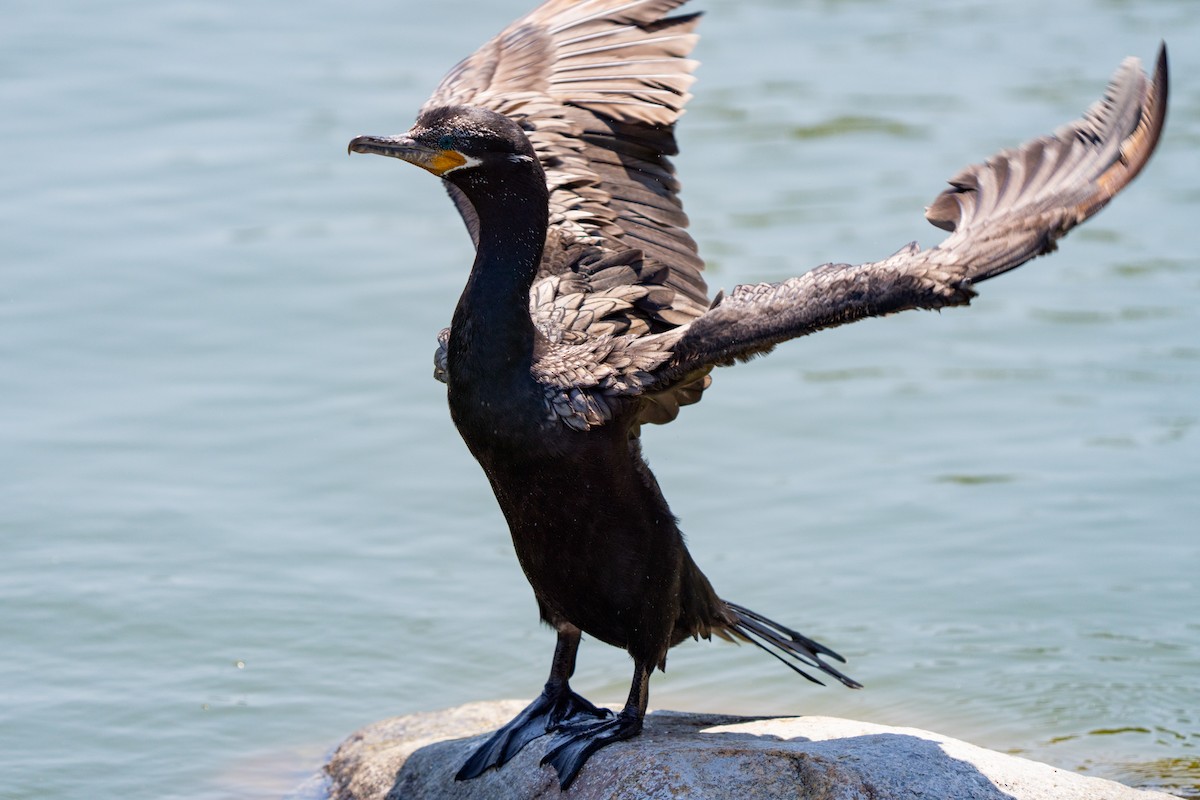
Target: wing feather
1000,213
597,86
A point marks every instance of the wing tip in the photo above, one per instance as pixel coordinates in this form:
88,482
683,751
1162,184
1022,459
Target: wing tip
1137,144
1140,143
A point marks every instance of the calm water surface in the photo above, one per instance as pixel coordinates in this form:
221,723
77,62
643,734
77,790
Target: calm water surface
236,522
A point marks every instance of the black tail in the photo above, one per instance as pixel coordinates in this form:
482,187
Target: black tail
785,644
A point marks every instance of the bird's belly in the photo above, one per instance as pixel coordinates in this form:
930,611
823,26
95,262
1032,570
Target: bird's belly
590,528
600,551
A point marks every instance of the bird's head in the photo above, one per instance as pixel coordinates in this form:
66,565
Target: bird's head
462,144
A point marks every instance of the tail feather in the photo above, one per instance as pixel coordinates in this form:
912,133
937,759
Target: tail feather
785,644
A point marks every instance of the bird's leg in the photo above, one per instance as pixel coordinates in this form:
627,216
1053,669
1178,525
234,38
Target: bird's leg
555,705
575,742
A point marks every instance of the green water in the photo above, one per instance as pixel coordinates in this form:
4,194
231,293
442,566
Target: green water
236,522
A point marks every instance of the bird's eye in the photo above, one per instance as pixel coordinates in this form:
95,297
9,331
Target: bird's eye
446,142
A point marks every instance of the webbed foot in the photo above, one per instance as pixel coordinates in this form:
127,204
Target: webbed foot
548,712
575,742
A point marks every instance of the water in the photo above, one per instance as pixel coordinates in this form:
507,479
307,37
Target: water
237,523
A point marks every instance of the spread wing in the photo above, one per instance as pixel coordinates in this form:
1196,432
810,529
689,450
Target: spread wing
1002,213
597,86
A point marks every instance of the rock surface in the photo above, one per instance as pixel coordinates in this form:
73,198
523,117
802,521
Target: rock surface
702,756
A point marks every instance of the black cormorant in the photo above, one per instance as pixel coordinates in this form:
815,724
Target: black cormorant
586,315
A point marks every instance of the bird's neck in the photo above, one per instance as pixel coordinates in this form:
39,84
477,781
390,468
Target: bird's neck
492,334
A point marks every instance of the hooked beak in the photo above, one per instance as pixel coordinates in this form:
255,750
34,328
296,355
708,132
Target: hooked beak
405,148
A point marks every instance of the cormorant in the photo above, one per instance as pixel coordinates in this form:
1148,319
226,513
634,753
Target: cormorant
586,315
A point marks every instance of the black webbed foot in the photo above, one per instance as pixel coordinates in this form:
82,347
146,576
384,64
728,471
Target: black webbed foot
575,742
548,712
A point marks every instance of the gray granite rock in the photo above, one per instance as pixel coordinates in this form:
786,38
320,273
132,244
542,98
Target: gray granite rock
702,756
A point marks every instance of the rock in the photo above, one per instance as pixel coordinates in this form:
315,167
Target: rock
701,756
